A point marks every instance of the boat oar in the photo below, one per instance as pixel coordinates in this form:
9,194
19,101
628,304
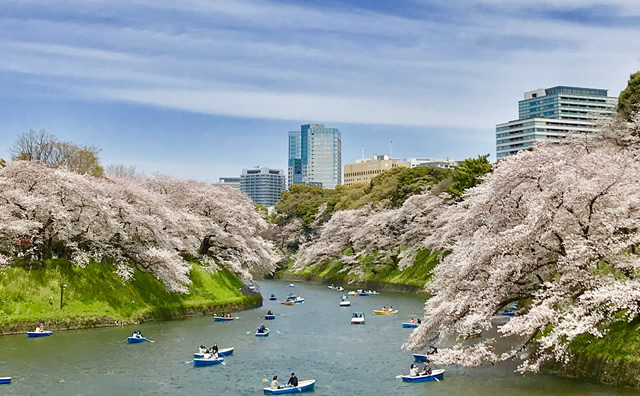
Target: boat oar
146,339
125,340
190,361
399,376
237,317
265,380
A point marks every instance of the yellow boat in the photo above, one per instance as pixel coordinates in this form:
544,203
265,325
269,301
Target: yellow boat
352,293
287,303
376,312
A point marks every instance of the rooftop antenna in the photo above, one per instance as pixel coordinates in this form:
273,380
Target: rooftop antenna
363,151
391,154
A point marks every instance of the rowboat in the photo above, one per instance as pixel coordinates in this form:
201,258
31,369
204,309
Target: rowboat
332,286
418,357
376,312
292,285
5,380
207,362
135,340
435,375
364,294
302,387
221,319
36,334
407,325
298,300
474,334
352,293
340,288
273,297
345,303
288,302
265,333
269,317
357,318
221,352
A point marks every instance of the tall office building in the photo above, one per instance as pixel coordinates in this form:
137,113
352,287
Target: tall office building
263,185
294,175
552,113
319,152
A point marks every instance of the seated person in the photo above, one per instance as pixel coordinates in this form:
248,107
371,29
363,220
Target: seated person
413,371
293,381
275,384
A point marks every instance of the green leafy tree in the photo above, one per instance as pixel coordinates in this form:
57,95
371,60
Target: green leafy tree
629,98
467,174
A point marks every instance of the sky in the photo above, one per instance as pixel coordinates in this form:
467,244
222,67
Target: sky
203,88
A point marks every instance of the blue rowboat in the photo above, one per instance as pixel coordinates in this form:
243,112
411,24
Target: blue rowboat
263,334
302,387
420,357
207,362
435,375
269,317
292,285
5,380
364,294
407,325
136,340
221,319
273,297
221,352
34,334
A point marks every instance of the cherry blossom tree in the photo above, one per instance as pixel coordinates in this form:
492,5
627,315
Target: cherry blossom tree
148,223
557,225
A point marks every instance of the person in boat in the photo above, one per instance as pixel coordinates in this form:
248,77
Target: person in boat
269,313
275,384
261,329
202,349
426,370
413,370
214,348
293,381
413,321
432,350
40,328
229,315
419,321
136,334
384,309
390,309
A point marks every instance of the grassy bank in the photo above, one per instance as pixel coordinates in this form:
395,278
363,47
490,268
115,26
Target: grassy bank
374,272
96,296
614,359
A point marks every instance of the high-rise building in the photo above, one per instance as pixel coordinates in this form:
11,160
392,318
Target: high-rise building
366,169
263,185
319,152
295,158
552,113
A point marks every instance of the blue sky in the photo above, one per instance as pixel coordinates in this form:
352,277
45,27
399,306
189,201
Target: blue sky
203,88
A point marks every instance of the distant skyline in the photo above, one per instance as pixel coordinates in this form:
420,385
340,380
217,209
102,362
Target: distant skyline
202,89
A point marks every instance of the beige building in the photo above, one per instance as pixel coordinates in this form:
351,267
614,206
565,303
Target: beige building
366,169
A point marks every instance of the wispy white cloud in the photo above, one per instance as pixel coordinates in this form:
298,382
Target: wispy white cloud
273,60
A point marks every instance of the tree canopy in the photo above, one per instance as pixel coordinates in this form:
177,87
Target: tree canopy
557,226
629,98
149,223
45,147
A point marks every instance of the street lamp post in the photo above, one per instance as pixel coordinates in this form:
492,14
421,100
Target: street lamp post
62,286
